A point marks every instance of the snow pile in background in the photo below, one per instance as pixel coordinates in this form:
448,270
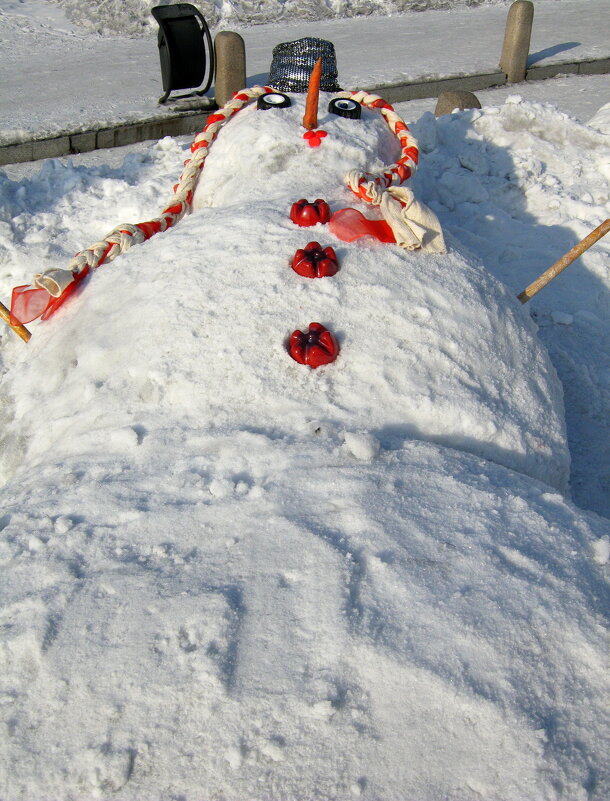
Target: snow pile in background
133,17
601,119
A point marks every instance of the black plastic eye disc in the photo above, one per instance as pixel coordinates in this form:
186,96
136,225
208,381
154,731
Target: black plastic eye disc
344,107
273,100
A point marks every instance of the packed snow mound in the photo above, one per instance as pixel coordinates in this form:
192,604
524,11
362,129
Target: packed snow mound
194,324
133,17
601,119
249,617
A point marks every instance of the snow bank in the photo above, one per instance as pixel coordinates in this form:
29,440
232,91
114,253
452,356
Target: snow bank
519,185
601,119
133,18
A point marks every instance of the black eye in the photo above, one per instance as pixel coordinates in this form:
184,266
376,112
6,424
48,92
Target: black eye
344,107
273,100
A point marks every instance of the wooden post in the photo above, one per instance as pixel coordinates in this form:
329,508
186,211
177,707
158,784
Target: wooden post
20,330
517,35
565,261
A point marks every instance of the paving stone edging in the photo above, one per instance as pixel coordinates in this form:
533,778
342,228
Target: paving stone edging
399,92
181,123
189,122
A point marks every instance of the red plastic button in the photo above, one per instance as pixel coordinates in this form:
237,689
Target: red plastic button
314,262
315,347
304,213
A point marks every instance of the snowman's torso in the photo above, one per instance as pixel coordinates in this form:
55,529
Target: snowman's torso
431,346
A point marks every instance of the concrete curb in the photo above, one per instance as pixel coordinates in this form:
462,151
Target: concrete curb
190,122
181,123
398,93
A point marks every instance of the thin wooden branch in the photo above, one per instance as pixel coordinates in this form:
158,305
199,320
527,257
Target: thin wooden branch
560,265
20,330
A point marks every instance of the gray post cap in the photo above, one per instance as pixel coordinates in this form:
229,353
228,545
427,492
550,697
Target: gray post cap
293,62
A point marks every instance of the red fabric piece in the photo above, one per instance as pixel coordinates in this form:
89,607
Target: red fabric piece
201,143
349,224
28,303
382,104
149,228
105,253
362,192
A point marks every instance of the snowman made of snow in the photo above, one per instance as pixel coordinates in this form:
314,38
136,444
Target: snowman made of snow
421,343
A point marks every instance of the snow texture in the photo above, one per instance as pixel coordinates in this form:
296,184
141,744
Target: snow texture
227,575
133,18
249,617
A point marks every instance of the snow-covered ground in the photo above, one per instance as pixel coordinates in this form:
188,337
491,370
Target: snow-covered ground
61,78
133,16
226,575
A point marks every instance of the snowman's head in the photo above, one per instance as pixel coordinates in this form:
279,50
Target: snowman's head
292,141
265,151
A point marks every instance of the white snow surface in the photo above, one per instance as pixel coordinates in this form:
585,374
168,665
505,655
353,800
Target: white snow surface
133,17
226,575
63,77
204,616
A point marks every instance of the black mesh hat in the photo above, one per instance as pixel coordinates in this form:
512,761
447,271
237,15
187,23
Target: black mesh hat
293,62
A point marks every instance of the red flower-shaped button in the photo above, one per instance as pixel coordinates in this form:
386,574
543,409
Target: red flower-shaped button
313,262
304,213
314,347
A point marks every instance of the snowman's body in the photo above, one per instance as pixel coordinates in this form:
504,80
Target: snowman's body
432,347
324,555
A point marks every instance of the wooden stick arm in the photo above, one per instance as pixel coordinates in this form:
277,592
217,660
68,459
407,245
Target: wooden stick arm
20,330
560,265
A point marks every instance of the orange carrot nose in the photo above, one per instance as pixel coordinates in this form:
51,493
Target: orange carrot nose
310,118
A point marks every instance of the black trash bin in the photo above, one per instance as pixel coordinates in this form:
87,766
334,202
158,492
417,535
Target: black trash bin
185,49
